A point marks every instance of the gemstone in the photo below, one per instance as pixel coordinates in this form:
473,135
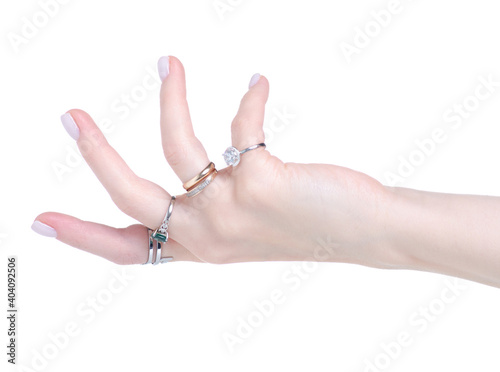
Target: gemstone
231,156
160,237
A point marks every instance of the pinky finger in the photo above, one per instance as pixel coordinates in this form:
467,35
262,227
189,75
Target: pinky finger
124,246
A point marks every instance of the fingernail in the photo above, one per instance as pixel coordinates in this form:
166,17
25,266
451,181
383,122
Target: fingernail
163,68
69,124
255,78
44,229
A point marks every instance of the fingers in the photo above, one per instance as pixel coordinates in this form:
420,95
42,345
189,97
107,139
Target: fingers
183,151
139,198
122,246
247,126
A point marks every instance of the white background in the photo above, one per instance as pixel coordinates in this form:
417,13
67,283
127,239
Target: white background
364,114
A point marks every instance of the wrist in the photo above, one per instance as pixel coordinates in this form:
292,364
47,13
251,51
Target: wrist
346,218
409,225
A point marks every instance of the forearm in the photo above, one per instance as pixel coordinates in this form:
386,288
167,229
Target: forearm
457,235
350,217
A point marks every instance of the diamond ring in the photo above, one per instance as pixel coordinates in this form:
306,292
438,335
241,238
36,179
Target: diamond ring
232,155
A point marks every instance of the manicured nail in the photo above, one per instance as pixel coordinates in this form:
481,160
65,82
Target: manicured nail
69,124
163,68
44,229
255,78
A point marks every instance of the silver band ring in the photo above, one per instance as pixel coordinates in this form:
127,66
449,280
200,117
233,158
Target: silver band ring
158,259
154,256
151,248
158,252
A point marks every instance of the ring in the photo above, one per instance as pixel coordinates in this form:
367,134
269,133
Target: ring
161,233
199,177
196,184
155,254
232,155
200,186
159,259
151,248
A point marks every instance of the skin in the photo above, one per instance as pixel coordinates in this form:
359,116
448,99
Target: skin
267,210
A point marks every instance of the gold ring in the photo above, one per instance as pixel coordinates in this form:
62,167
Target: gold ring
199,187
199,177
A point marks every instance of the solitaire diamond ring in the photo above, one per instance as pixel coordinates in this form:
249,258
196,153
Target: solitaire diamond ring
232,155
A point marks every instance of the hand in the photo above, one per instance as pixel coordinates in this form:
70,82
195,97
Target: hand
260,210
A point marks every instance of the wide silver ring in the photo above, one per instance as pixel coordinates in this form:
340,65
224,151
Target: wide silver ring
232,155
151,248
154,255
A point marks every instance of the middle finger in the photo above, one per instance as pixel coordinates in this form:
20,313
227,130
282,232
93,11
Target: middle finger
183,151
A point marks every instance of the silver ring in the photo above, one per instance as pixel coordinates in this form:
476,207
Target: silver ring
161,233
158,252
232,155
155,254
158,259
151,250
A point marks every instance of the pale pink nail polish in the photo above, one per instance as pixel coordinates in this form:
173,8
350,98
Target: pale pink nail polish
255,78
163,67
44,229
69,124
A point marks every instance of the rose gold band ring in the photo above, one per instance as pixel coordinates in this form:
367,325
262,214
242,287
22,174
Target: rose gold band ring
199,177
196,184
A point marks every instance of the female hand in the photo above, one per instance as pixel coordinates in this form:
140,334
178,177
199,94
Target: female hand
267,210
260,210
